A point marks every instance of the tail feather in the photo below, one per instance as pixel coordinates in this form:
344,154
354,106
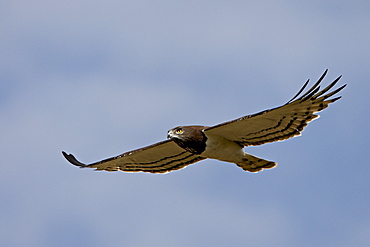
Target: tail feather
254,164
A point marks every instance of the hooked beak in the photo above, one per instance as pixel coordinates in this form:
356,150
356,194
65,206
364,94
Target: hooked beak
169,134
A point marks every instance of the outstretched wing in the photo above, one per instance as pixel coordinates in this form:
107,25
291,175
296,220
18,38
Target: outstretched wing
279,123
161,157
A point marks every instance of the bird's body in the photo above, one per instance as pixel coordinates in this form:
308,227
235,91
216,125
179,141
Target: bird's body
220,148
217,147
225,141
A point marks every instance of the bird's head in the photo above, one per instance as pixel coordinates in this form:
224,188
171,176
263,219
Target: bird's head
177,132
187,133
190,138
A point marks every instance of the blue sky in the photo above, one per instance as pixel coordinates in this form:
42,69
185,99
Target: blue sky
100,78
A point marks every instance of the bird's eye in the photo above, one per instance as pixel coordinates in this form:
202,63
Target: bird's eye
179,131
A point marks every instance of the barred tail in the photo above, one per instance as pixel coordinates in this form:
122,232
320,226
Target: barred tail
252,163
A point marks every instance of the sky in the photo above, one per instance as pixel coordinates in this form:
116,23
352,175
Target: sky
99,78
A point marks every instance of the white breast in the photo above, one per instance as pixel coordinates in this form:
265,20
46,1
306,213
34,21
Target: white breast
222,149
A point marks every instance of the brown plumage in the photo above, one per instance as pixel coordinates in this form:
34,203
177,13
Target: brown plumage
225,142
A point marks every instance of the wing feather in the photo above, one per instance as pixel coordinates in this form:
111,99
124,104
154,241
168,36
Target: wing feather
314,87
279,123
161,157
299,92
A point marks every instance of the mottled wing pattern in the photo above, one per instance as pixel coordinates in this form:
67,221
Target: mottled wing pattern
279,123
161,157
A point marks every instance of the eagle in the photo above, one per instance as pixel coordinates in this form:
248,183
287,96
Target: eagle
186,145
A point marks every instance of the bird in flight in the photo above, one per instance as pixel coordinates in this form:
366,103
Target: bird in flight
189,144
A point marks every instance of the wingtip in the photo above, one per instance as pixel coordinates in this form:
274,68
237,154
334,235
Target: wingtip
335,99
325,72
341,87
71,159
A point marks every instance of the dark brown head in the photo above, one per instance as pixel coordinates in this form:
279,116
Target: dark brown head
190,138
